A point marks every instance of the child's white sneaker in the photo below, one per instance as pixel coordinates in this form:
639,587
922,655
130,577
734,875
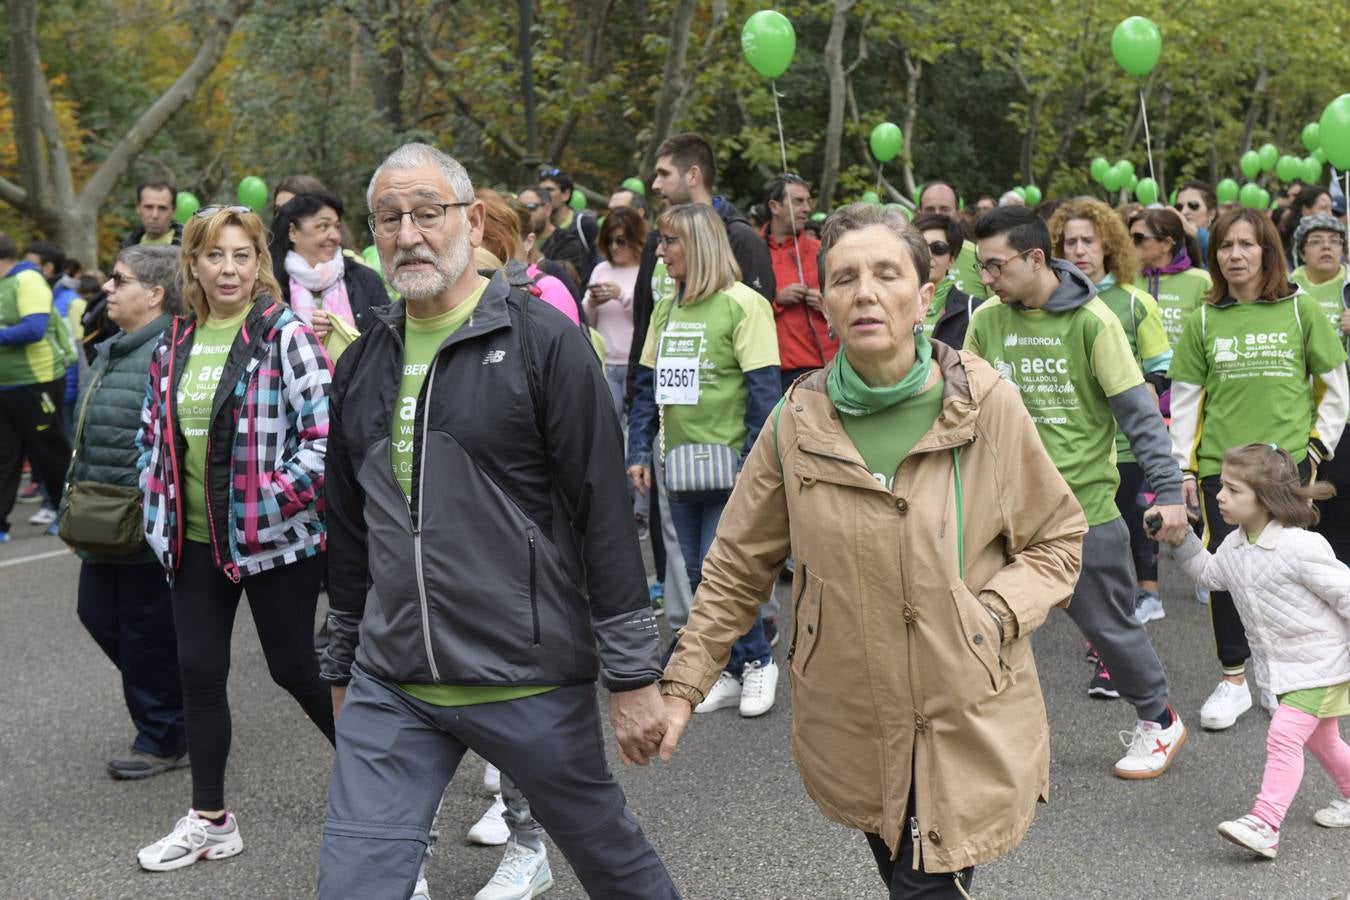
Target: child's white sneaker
1252,833
1337,815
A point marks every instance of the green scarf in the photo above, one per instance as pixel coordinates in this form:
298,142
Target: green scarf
853,397
939,301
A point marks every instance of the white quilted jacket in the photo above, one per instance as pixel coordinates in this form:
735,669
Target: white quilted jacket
1294,599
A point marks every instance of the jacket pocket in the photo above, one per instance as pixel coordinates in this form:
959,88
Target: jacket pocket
805,621
534,587
980,631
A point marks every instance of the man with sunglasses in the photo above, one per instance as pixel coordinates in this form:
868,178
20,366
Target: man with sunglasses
804,341
572,235
1047,333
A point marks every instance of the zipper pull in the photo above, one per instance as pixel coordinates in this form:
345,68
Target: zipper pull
914,829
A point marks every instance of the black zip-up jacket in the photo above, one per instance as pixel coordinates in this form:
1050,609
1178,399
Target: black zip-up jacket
515,561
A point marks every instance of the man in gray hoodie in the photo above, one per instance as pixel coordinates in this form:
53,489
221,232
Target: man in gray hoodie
1048,334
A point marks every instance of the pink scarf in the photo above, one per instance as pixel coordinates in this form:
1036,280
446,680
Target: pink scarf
318,287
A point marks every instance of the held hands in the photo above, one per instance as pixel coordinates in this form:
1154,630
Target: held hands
1190,493
1345,322
641,478
678,711
640,724
1167,523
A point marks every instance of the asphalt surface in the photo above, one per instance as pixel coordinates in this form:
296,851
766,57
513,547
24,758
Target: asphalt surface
728,814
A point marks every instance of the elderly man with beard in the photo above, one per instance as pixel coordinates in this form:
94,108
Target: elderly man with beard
484,564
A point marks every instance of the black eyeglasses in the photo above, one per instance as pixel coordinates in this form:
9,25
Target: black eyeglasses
1139,237
119,280
995,266
1192,205
426,218
939,248
533,206
212,210
618,242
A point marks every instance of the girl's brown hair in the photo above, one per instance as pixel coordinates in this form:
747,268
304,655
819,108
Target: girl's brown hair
201,234
1273,477
1119,258
629,225
1274,273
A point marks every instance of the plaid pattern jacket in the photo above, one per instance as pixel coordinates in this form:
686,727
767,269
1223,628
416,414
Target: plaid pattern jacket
265,445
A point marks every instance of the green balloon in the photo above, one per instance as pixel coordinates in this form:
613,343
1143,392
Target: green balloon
870,197
1115,178
1132,183
185,207
1334,132
252,192
1274,205
1146,191
1312,137
635,185
1226,191
1099,168
577,201
1136,44
1033,195
1319,154
1021,192
1128,167
1250,196
1288,168
1264,202
1312,170
1269,155
818,217
902,209
1250,164
1173,199
768,41
886,141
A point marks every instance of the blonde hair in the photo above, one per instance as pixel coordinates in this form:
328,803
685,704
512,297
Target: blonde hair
1120,258
1273,477
202,232
501,224
710,266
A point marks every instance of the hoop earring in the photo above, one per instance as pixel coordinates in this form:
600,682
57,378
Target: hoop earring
918,328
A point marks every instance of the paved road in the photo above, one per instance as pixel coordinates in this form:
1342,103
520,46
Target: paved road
728,814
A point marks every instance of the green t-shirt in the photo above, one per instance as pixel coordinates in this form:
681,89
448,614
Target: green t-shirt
1328,294
197,385
885,438
27,294
1139,316
964,274
1066,365
1252,361
1325,702
700,352
421,339
1179,295
164,240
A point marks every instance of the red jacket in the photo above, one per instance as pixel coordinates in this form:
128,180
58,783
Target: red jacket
803,336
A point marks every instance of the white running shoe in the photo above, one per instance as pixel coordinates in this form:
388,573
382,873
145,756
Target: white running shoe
1337,815
492,779
1148,607
1224,706
422,891
758,687
1252,833
43,516
491,830
193,838
1151,748
522,873
726,692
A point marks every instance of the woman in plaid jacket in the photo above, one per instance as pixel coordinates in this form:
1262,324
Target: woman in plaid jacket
233,436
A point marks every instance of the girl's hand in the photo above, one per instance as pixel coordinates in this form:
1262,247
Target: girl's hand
322,327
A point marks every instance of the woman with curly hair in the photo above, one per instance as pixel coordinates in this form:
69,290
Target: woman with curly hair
1091,236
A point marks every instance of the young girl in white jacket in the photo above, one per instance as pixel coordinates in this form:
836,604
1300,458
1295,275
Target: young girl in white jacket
1294,599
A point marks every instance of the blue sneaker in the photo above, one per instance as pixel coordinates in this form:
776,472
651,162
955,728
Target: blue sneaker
53,529
4,537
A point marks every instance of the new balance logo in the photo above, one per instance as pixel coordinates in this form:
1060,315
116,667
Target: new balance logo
494,356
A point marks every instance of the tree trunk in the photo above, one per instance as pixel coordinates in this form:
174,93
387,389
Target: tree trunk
1028,159
1254,108
913,73
834,122
596,16
673,84
530,162
384,63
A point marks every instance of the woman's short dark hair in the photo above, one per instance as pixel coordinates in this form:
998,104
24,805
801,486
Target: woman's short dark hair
951,227
155,267
1165,222
629,224
1274,272
857,216
1206,193
299,207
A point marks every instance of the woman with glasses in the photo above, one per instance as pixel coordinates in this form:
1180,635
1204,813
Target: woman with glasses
1198,205
1171,266
233,434
1091,236
707,379
1257,362
609,296
949,314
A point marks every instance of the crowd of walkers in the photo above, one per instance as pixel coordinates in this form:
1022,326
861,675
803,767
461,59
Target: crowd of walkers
938,430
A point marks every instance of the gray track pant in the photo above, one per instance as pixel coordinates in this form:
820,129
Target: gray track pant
395,756
1103,609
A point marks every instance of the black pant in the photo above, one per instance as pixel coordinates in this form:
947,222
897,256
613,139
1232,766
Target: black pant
907,883
1143,549
31,425
126,610
204,602
1335,522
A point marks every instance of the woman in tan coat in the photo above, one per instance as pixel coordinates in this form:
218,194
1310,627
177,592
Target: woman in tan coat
932,535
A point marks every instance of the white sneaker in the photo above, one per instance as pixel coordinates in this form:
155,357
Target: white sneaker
491,830
422,891
1151,748
492,779
1252,833
1224,706
43,516
726,692
758,687
1337,815
1148,607
521,874
193,838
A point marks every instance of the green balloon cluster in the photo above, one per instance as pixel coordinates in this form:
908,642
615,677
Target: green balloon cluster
817,217
1118,176
1333,133
886,141
635,185
1021,193
1312,170
1031,194
1098,168
185,207
1312,136
252,192
1250,196
1226,191
768,41
1136,44
1269,155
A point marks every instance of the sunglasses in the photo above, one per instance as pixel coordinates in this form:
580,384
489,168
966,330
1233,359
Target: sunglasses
533,206
1192,205
549,173
212,210
618,242
119,280
939,248
1139,237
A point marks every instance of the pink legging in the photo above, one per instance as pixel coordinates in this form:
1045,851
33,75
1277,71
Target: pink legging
1290,731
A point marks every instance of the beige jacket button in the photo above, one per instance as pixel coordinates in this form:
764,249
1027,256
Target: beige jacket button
902,505
935,836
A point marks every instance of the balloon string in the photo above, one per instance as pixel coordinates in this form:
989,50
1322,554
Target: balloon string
1148,140
792,213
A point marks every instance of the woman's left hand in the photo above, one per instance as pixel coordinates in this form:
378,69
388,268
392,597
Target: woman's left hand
322,327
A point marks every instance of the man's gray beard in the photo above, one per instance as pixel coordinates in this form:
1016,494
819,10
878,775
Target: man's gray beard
418,286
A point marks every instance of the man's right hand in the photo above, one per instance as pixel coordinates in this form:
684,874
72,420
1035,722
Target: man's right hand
339,697
791,294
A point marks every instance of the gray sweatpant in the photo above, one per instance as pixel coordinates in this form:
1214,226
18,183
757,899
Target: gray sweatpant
679,598
1103,609
396,754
